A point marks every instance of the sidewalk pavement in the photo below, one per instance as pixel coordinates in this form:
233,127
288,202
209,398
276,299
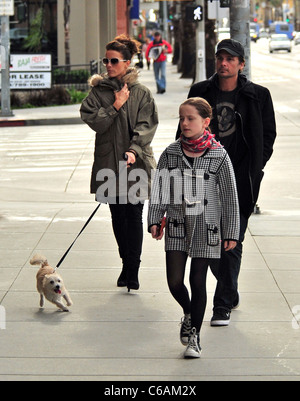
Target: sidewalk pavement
61,115
111,334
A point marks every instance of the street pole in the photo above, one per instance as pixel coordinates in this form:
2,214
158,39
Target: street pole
165,19
240,28
5,66
200,45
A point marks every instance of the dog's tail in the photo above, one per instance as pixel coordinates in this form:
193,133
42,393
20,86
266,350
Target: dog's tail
39,260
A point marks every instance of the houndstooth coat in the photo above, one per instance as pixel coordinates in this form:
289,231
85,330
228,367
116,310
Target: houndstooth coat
200,201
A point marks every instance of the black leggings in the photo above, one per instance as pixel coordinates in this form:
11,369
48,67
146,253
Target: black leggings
127,221
176,264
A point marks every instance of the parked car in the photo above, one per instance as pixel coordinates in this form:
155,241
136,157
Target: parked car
254,31
297,38
18,33
279,42
223,33
253,35
263,33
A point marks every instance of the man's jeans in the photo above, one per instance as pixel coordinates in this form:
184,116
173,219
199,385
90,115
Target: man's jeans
227,270
160,74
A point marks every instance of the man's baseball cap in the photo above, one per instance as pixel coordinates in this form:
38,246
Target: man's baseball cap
232,47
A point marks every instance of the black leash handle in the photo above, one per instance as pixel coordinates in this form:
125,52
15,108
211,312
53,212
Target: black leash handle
83,228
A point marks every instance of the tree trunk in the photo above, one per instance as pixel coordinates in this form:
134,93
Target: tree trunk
67,12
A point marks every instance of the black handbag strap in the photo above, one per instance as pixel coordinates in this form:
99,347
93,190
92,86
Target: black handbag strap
83,228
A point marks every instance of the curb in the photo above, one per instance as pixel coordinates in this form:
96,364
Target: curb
43,121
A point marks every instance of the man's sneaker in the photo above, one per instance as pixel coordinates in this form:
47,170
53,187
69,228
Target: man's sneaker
185,331
220,318
193,349
237,301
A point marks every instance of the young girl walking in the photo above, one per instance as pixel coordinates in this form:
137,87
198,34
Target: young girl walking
195,187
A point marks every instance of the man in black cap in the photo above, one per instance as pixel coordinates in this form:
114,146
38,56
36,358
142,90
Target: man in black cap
244,122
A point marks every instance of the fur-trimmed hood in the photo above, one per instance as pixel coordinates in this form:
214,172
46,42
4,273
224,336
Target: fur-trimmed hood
130,78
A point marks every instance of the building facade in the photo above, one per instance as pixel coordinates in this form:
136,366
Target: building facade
91,24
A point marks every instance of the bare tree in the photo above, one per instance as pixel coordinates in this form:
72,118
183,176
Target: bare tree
67,13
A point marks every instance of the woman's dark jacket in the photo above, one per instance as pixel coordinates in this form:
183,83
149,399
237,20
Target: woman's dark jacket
132,127
255,121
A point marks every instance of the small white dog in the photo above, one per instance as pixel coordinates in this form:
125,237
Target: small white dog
50,285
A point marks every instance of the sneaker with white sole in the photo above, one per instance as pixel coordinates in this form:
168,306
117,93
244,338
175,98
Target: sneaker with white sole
185,331
193,349
220,318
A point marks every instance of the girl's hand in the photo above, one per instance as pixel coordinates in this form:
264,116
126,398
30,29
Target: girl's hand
229,245
121,97
155,231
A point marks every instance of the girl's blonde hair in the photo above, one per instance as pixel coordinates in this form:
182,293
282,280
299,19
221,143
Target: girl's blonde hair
202,106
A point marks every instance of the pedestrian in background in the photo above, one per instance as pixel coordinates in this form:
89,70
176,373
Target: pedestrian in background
144,49
124,115
157,51
244,122
202,174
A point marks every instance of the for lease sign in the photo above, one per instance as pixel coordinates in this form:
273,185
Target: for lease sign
30,80
30,71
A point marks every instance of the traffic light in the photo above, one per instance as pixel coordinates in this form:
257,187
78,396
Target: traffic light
224,3
194,13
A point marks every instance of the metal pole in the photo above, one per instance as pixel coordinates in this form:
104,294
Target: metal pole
165,18
240,28
200,46
5,66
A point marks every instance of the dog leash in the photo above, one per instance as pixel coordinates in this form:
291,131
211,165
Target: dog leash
83,228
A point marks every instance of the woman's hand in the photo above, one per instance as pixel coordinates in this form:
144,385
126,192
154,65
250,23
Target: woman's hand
131,158
121,97
156,234
229,245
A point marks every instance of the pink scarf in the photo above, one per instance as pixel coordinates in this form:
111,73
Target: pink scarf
206,141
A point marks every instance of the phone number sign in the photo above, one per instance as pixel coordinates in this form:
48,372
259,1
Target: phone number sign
30,71
30,80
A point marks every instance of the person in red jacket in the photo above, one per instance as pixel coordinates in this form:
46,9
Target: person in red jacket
157,50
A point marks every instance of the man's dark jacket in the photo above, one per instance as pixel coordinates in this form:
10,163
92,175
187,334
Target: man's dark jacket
255,121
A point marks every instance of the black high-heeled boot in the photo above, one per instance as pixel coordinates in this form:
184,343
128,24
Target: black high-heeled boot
132,278
122,280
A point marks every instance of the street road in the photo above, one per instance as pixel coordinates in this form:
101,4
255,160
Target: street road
280,72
